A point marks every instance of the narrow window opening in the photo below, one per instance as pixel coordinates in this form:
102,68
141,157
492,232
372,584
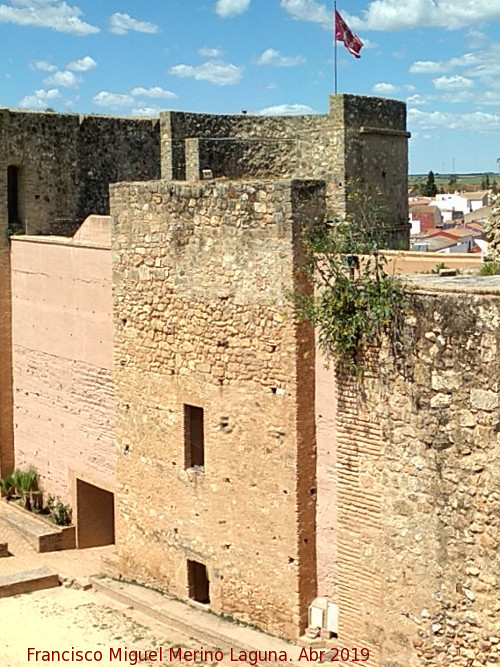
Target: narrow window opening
194,439
198,582
14,199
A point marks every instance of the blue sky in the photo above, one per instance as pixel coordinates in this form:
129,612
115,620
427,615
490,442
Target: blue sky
266,56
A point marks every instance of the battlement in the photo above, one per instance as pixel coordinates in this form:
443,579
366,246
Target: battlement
358,111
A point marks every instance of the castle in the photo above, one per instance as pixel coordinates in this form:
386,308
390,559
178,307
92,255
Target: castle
154,373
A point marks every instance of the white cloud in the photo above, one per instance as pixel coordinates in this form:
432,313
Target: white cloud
484,63
451,14
113,100
82,64
146,111
122,100
286,110
427,67
417,100
273,57
439,66
121,24
40,99
43,66
155,92
490,97
476,38
309,10
216,71
209,52
65,79
476,121
454,82
368,44
53,14
384,88
458,97
226,8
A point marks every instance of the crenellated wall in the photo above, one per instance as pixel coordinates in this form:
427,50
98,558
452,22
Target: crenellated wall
362,140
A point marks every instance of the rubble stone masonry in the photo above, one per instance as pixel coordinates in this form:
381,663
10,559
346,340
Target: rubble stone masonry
202,319
67,161
418,469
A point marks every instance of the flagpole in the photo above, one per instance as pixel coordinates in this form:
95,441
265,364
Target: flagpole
335,40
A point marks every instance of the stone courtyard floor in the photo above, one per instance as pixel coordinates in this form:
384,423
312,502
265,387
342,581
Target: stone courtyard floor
64,618
69,618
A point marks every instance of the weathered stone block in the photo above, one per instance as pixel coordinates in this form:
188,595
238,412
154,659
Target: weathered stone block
445,380
482,399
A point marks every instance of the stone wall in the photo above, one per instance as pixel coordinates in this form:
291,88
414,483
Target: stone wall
43,146
418,486
376,155
247,159
177,126
66,163
62,356
111,150
202,319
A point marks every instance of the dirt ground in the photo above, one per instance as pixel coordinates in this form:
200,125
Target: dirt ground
61,618
64,618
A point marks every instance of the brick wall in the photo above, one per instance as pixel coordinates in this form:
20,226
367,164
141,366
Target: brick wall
6,400
62,357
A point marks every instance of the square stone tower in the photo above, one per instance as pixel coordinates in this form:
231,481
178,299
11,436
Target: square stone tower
215,392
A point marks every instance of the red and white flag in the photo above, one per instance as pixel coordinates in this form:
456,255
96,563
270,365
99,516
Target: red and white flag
344,34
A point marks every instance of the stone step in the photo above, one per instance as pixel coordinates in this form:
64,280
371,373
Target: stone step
205,627
27,581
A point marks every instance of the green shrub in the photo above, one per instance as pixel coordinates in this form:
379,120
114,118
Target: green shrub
438,267
21,483
490,269
6,486
59,513
348,295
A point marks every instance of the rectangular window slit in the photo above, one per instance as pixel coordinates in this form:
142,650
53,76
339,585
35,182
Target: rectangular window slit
194,443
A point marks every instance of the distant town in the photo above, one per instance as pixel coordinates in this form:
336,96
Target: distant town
447,211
